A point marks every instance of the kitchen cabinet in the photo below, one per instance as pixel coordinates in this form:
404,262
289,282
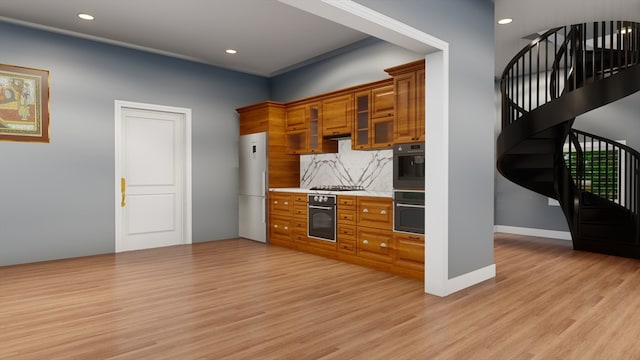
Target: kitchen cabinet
374,117
374,235
364,234
409,251
375,244
346,224
281,221
409,102
337,115
375,212
304,130
296,118
300,219
269,116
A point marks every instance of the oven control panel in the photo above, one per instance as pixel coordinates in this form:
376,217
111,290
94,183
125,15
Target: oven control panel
321,199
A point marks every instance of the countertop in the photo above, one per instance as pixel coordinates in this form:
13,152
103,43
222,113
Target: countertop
388,194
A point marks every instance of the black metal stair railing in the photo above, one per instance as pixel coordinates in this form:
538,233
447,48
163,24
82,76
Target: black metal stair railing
603,167
541,71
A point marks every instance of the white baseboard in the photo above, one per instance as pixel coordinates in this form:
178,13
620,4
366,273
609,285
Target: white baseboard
553,234
469,279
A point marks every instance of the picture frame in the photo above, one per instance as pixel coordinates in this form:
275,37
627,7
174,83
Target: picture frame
24,104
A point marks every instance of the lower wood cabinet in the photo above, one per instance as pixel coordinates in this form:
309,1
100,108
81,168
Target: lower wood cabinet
375,244
280,230
409,251
364,233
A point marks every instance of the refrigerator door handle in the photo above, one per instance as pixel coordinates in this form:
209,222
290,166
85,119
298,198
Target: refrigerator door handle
264,217
264,182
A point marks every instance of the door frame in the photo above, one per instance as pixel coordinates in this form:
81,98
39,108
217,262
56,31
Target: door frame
186,141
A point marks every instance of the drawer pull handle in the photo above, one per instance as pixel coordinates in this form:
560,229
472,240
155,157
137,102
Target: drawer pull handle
286,203
275,202
365,242
414,237
383,245
365,210
275,226
383,212
286,228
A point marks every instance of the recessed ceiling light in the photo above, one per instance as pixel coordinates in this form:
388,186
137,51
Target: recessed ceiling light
230,51
505,21
86,16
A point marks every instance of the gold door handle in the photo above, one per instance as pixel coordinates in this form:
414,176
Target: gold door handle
123,189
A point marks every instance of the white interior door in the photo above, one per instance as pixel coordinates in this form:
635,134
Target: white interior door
152,177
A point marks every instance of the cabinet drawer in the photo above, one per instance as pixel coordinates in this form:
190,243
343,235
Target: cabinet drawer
300,237
347,202
375,212
346,231
300,199
347,246
409,251
300,225
281,204
300,211
280,226
375,244
346,217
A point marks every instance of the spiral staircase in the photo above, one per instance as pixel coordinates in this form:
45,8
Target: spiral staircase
562,74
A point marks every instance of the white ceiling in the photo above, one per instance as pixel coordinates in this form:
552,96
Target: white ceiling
270,36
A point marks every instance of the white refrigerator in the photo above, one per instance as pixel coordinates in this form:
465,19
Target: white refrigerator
253,186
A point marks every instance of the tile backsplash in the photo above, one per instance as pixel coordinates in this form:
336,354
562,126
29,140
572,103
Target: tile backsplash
372,170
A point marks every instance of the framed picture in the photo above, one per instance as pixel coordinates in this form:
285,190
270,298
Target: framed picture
24,104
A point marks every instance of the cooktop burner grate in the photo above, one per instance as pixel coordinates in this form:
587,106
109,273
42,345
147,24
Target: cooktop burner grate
338,187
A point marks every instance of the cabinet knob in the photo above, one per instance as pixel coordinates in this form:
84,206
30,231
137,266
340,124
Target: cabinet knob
286,203
275,226
365,241
286,228
275,202
383,245
383,212
365,210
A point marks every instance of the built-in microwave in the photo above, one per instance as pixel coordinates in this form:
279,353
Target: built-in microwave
408,166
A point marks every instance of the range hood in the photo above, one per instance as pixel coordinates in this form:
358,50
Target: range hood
337,137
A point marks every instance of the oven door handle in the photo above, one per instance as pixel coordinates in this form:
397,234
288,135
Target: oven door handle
320,207
410,206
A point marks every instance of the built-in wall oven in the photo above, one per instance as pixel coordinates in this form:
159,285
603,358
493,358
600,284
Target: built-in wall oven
408,212
321,217
408,166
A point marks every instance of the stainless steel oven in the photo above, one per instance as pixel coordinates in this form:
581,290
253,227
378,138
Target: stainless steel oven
408,166
321,217
408,212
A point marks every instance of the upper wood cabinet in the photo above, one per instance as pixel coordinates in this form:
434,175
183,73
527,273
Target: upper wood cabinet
337,115
382,101
304,130
409,102
374,117
269,117
296,118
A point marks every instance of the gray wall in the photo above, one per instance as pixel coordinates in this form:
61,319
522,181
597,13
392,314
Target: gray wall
468,27
58,199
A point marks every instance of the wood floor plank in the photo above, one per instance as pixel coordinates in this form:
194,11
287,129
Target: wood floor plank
237,299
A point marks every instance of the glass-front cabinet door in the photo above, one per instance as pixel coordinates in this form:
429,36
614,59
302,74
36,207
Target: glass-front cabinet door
361,133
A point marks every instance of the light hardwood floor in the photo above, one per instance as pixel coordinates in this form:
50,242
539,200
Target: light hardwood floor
237,299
